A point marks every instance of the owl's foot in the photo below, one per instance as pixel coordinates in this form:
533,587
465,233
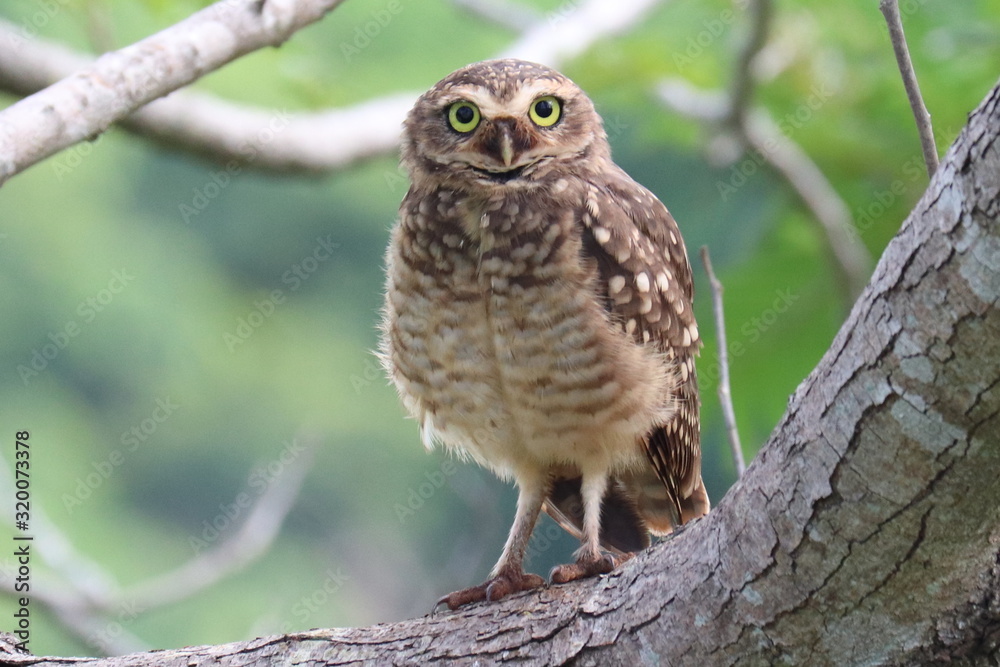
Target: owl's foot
586,566
497,588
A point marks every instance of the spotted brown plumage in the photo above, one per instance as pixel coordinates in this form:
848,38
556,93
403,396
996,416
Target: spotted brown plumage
538,317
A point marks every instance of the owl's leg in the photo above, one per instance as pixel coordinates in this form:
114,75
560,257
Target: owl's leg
589,559
508,575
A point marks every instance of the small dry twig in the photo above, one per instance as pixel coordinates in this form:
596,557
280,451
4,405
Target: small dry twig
725,394
890,10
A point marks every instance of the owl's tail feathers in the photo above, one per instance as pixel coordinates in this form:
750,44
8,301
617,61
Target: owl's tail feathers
695,505
622,529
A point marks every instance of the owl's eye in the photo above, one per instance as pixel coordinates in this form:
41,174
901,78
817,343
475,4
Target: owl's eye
545,111
463,116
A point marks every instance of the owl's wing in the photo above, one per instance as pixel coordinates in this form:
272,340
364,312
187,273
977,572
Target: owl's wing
646,280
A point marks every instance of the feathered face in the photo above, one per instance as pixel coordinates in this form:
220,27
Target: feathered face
499,123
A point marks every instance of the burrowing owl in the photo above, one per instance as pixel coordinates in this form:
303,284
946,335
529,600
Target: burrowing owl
538,317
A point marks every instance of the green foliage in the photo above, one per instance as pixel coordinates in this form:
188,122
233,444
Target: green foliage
133,304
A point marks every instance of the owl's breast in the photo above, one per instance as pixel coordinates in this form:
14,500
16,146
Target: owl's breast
502,349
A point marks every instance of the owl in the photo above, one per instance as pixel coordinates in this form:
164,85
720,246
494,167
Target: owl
538,318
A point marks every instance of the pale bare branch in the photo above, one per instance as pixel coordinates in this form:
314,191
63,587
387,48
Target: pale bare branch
85,104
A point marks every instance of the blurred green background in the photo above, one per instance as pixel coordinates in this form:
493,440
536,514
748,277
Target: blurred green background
149,422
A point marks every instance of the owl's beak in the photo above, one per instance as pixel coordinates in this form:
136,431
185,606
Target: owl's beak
506,146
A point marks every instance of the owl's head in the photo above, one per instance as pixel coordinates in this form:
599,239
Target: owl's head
501,124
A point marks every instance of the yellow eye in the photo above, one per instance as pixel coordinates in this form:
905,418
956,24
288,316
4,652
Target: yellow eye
545,111
463,116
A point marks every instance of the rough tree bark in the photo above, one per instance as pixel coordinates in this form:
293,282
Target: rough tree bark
867,531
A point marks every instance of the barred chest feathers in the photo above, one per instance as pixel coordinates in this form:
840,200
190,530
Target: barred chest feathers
498,343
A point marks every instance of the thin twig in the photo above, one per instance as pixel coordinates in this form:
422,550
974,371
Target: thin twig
100,31
890,10
84,105
725,395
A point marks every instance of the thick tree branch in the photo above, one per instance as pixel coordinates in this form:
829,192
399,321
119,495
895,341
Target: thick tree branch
867,531
223,131
84,105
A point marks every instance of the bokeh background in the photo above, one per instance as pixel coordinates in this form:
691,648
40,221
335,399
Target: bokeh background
198,366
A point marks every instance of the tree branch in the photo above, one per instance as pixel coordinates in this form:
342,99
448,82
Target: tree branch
890,10
86,597
226,133
504,13
575,26
84,105
867,531
743,83
851,260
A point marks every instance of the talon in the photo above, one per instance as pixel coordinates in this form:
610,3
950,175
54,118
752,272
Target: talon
586,567
492,590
